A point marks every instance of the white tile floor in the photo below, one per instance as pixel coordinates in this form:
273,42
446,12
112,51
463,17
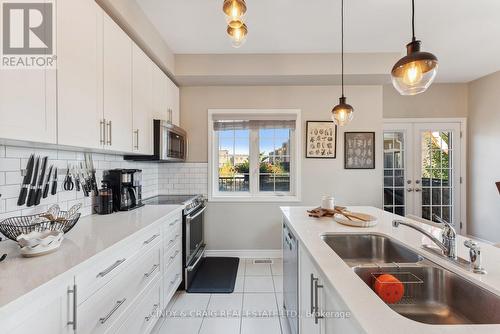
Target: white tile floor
251,309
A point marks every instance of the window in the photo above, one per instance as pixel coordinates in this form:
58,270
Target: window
254,155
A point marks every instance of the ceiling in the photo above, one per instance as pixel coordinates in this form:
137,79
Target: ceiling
463,34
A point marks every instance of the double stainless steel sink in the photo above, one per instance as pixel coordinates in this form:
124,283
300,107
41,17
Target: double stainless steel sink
436,296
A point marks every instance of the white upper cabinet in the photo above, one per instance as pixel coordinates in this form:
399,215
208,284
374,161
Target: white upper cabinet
160,94
79,75
117,87
173,97
28,106
142,102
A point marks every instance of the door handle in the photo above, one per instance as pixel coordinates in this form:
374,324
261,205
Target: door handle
136,132
409,190
110,134
311,285
418,190
102,131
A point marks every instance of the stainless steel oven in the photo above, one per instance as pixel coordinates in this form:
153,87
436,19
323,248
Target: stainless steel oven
193,240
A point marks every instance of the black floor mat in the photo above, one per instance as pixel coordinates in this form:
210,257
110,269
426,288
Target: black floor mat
215,275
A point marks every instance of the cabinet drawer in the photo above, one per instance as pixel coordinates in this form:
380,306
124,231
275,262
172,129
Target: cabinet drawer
100,271
98,313
145,315
171,254
173,223
172,277
172,237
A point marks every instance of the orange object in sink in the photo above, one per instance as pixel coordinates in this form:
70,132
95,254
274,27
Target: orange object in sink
389,288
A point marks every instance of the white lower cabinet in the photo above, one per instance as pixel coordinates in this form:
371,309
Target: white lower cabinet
321,308
124,289
51,311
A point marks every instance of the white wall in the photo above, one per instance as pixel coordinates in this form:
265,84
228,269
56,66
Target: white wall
484,158
258,225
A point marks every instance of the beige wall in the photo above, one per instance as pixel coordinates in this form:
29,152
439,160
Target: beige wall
484,157
132,19
440,100
258,225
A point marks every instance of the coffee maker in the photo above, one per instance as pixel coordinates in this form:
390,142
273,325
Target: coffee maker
126,185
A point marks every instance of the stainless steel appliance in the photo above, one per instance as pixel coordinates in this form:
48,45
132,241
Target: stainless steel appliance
193,243
290,279
126,185
170,144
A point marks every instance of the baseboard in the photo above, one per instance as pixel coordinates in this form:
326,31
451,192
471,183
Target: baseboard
246,253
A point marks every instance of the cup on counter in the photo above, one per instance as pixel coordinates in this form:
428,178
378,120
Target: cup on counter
328,202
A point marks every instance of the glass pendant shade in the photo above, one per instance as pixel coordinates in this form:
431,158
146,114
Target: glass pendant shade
342,113
234,9
238,34
415,72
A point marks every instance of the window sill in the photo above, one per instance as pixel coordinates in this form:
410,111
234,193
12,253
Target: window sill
255,199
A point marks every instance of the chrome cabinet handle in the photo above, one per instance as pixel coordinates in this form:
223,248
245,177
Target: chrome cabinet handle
175,279
155,309
151,271
409,190
117,306
151,239
102,131
72,323
173,223
311,284
317,316
110,134
136,133
110,268
173,256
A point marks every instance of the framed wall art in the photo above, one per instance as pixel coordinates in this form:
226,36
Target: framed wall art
359,150
321,140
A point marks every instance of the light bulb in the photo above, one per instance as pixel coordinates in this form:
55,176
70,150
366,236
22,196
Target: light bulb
412,74
342,113
234,9
238,34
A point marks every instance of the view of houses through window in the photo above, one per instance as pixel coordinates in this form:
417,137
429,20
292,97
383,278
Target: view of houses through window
272,154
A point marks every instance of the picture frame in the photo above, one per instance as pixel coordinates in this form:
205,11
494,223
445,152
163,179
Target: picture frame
359,150
321,140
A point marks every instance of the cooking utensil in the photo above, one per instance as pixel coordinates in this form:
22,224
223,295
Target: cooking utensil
47,183
54,183
68,181
31,193
76,176
41,179
26,181
85,183
90,167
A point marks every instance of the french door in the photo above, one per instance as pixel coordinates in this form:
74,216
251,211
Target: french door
423,170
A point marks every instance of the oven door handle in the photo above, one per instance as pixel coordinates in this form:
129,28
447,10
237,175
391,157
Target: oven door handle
191,267
189,217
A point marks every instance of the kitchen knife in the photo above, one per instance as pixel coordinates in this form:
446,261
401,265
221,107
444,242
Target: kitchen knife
47,183
54,183
31,193
41,179
26,181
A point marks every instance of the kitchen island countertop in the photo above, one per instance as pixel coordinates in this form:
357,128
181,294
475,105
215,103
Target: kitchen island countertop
371,313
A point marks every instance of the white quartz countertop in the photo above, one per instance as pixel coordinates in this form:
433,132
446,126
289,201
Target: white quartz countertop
373,315
90,236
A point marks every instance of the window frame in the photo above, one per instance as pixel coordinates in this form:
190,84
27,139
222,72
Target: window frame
254,194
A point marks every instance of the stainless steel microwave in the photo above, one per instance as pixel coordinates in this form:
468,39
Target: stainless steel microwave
170,144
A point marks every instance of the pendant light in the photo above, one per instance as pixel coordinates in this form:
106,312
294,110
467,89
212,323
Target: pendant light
415,72
342,113
237,31
234,9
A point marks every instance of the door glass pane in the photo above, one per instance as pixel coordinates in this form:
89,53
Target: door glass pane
437,174
394,173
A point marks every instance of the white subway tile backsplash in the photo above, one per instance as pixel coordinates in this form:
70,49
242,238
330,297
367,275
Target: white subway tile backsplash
7,165
13,159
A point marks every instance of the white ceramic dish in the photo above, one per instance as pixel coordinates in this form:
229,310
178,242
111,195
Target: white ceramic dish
39,243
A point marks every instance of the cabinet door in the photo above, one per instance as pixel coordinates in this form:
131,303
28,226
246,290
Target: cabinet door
173,102
160,94
345,322
79,74
46,314
117,87
28,105
142,102
308,274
